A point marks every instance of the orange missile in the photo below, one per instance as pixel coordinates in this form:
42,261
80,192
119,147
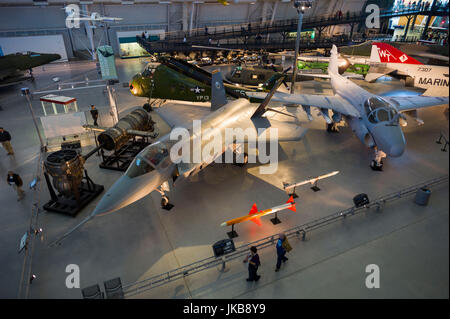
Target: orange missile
254,215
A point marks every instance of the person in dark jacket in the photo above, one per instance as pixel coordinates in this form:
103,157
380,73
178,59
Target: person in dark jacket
14,180
253,264
94,114
281,252
5,139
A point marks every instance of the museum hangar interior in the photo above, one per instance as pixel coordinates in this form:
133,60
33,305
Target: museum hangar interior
354,97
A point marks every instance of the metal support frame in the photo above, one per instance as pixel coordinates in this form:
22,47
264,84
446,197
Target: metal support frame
138,287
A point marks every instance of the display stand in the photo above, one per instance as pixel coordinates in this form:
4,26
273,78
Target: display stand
120,159
71,205
275,220
232,234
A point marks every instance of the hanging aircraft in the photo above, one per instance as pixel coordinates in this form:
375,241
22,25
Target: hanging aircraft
374,119
13,66
387,60
81,15
174,79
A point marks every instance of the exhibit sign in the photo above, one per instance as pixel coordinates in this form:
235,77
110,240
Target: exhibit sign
107,63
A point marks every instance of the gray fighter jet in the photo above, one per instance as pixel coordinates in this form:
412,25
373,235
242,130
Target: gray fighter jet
153,167
374,119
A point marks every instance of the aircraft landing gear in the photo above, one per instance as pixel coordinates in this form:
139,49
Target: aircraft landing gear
147,107
243,163
164,199
377,163
332,128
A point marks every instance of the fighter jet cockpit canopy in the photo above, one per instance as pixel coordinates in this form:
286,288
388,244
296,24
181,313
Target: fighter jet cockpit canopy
148,160
378,110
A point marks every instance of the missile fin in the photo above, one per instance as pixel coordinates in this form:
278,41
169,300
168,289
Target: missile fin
257,221
290,200
254,209
293,208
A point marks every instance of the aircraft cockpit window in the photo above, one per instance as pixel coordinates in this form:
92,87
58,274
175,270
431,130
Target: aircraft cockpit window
155,154
378,110
138,167
148,72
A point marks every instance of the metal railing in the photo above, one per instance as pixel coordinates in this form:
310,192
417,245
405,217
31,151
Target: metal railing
299,231
32,232
290,25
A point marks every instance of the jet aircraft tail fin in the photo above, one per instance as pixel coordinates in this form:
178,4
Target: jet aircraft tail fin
333,66
386,53
262,108
218,96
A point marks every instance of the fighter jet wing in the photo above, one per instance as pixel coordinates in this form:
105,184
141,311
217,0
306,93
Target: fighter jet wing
287,131
408,103
182,115
334,103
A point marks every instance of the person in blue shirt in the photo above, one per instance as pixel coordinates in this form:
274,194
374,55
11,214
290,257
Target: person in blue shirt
281,252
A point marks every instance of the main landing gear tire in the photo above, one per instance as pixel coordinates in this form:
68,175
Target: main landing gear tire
332,128
245,161
147,107
376,166
164,201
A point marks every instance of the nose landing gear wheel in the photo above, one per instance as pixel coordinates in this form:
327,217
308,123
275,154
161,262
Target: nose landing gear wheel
376,166
165,203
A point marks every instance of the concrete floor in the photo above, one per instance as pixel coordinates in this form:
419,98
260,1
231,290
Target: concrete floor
408,242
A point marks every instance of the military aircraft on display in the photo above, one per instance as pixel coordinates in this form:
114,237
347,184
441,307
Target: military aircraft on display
387,60
373,119
152,168
13,66
178,80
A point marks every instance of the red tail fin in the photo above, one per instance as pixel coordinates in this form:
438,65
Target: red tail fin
291,200
389,54
257,221
254,210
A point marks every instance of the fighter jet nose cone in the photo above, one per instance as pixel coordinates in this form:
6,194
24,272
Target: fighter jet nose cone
115,198
397,150
125,191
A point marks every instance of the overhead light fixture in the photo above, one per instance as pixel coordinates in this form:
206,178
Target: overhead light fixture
86,2
198,2
127,2
165,2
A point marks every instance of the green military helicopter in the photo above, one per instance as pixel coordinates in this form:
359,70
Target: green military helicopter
174,79
12,66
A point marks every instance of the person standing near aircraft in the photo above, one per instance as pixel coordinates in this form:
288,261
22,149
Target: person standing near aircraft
253,264
15,180
5,139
